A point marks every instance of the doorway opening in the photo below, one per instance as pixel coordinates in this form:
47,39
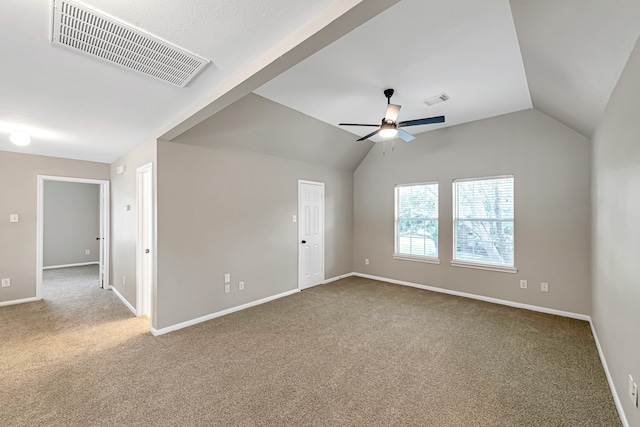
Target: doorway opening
72,231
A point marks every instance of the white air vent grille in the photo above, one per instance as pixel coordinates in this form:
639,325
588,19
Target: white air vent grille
81,28
436,99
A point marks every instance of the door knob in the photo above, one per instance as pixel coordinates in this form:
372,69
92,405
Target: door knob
304,241
146,251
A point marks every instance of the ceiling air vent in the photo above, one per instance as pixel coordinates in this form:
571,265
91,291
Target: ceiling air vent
82,28
436,99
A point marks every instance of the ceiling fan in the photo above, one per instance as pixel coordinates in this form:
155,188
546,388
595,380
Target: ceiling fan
389,127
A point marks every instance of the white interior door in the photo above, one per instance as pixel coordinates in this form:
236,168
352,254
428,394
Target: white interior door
310,233
145,240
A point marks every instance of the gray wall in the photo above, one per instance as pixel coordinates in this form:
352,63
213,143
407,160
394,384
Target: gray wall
124,223
18,188
616,232
71,223
551,165
224,211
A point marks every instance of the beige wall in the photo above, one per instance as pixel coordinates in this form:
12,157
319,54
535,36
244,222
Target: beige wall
124,223
552,203
18,191
616,233
224,211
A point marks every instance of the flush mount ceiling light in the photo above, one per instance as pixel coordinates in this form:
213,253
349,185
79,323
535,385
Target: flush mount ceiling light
20,138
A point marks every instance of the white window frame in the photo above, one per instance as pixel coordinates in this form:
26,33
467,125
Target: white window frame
408,257
472,264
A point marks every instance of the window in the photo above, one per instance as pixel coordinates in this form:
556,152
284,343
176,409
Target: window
483,222
416,230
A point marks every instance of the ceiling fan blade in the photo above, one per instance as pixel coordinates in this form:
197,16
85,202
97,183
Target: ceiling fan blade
392,112
425,121
355,124
405,135
368,136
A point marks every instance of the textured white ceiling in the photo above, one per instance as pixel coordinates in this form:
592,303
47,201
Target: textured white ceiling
421,48
79,107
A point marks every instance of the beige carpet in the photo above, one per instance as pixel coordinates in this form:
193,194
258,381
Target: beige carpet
354,352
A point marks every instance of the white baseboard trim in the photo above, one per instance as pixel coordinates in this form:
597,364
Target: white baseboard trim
616,398
333,279
123,299
192,322
80,264
480,297
19,301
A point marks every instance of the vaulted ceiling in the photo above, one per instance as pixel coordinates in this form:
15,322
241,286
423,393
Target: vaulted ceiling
329,60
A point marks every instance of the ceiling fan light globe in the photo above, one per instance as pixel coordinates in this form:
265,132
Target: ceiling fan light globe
388,130
388,133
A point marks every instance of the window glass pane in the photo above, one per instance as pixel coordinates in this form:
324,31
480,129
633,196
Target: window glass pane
483,221
417,220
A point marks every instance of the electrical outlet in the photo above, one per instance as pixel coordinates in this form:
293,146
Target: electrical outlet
241,286
523,284
6,283
227,278
544,287
633,391
87,252
227,289
366,261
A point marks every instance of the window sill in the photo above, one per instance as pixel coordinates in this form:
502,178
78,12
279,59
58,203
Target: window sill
416,258
488,267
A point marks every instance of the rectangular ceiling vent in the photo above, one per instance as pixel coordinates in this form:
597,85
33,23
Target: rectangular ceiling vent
436,99
87,30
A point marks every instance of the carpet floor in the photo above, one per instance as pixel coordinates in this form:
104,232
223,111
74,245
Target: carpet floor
355,352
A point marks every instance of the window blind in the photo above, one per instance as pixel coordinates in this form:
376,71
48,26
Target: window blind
483,221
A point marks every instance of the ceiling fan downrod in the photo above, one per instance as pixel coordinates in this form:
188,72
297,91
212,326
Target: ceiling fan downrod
388,93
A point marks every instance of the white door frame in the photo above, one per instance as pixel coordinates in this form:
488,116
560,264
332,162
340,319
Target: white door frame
321,184
139,241
104,226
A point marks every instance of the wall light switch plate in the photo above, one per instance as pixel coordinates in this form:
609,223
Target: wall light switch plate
227,278
87,252
227,289
14,218
523,284
366,261
295,218
544,287
241,286
6,283
633,391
